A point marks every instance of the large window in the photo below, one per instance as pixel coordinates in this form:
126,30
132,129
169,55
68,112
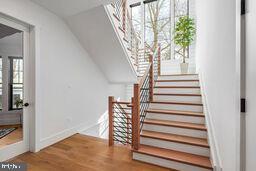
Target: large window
136,16
181,8
15,83
160,17
158,25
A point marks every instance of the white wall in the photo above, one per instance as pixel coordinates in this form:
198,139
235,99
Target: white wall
71,92
250,86
216,62
103,44
11,45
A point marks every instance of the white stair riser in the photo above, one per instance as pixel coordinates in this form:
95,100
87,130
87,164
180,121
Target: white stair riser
187,148
175,130
166,163
183,77
143,62
177,90
191,108
196,99
185,83
179,118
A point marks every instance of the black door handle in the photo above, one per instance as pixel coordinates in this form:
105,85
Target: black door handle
26,104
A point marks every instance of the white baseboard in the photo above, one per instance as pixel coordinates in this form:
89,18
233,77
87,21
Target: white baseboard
59,136
215,155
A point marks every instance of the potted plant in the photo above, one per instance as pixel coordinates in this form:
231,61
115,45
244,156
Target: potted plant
184,34
18,103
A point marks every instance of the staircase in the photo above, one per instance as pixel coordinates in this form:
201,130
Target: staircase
174,134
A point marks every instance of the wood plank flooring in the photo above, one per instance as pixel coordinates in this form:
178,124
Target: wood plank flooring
11,138
84,153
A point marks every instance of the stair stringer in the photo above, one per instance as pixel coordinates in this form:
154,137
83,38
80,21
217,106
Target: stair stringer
214,150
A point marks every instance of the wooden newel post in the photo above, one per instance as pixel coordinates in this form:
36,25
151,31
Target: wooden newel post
110,114
151,78
159,59
136,117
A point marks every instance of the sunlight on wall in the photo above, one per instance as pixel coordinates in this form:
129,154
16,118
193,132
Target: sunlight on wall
100,129
103,126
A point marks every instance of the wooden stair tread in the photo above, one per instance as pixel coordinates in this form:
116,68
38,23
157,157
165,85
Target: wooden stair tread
176,124
175,112
178,75
175,94
177,87
178,103
192,80
176,138
177,156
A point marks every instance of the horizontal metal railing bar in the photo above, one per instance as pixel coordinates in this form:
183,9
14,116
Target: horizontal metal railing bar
123,118
120,127
123,142
123,123
121,113
122,136
123,132
121,102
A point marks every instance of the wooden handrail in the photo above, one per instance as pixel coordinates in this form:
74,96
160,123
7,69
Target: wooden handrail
129,35
136,104
144,86
121,102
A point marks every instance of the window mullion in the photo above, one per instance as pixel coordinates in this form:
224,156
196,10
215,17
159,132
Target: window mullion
5,78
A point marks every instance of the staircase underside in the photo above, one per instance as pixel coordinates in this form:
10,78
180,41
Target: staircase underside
96,34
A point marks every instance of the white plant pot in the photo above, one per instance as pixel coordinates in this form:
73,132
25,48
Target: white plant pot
184,68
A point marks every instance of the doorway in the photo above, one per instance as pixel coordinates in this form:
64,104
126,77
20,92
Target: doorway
14,88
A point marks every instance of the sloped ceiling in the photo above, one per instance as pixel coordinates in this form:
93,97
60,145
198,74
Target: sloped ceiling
7,31
66,8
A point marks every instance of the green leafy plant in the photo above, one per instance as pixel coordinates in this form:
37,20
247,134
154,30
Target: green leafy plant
18,102
184,34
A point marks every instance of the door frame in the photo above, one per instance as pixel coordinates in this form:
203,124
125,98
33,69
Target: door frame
240,86
28,143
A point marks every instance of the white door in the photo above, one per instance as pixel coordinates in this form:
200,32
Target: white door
14,149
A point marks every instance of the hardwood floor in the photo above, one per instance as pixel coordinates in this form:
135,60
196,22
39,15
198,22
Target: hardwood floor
11,138
80,152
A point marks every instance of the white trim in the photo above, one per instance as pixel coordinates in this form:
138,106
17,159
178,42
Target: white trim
86,128
60,136
12,22
18,148
34,56
215,154
67,133
240,162
34,53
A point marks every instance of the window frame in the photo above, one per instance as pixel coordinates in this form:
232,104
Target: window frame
10,82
